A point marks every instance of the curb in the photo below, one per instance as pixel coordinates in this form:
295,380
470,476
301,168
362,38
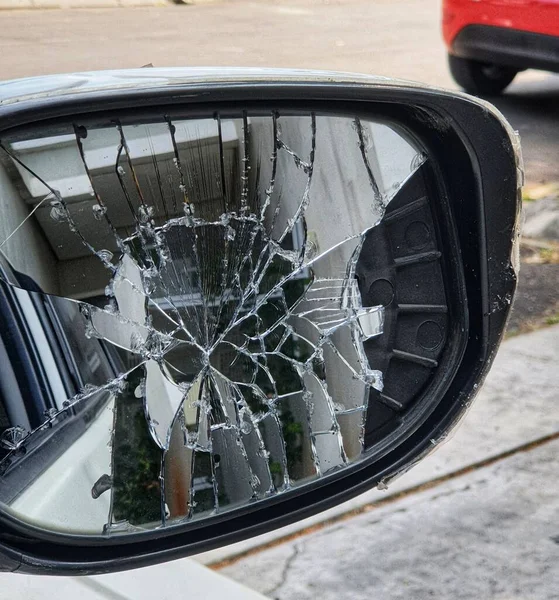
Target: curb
64,4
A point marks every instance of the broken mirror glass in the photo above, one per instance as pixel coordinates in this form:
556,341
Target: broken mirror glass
183,323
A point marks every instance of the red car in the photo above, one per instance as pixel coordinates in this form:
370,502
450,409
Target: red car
490,41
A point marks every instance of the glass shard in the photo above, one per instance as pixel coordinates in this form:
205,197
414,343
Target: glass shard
190,286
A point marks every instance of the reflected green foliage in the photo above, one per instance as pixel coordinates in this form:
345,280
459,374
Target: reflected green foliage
137,461
293,438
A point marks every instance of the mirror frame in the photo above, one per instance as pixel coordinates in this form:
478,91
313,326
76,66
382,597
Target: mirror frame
477,156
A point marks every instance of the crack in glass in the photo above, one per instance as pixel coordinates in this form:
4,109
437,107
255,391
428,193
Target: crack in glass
214,262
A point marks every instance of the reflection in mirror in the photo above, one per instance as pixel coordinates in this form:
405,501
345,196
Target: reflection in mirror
182,322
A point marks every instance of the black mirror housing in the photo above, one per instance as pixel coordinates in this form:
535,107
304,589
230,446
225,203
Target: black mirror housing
442,263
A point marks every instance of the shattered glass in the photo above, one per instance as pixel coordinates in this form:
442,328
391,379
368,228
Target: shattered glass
188,292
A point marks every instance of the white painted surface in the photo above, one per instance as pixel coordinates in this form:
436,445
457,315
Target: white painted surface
170,581
61,497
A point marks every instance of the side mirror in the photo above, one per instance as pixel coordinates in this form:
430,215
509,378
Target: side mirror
232,298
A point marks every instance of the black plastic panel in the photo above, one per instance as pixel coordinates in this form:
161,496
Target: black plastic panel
505,46
400,267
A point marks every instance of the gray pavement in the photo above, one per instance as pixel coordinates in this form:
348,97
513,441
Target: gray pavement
492,533
50,4
487,531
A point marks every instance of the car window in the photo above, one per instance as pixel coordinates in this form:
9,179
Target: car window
84,353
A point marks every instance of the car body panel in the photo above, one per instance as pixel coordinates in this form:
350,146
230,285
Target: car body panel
536,16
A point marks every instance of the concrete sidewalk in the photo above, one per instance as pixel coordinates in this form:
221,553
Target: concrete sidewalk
517,404
492,533
483,531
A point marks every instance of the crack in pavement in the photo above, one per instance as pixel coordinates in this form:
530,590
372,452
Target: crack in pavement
297,550
435,482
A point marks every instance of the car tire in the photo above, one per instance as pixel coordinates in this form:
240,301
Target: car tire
478,78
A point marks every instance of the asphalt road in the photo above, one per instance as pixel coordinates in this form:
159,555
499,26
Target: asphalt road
384,37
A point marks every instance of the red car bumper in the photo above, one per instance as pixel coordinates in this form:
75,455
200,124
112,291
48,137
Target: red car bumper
518,33
536,16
